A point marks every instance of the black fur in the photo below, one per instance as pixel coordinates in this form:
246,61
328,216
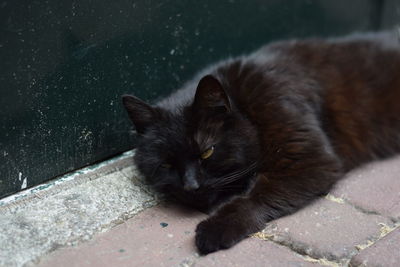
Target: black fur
285,123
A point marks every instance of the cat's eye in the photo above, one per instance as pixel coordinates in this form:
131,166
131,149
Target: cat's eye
207,153
166,166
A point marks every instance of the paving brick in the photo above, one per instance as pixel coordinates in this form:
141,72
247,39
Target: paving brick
326,229
160,236
375,187
163,236
252,252
385,252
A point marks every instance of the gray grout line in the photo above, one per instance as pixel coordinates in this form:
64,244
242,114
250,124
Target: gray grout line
341,200
70,209
345,201
384,230
294,248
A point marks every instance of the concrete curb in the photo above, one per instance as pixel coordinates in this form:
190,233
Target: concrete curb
70,209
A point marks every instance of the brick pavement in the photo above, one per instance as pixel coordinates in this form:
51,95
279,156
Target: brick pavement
357,224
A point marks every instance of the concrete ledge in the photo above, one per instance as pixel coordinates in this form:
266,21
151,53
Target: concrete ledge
70,209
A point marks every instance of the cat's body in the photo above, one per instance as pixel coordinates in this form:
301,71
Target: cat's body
261,136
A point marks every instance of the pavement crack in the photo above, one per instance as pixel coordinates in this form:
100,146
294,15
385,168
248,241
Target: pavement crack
340,200
303,250
308,254
324,262
383,231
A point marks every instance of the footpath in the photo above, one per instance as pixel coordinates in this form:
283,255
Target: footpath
105,216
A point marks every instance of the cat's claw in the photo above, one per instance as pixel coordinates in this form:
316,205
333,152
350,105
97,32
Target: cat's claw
213,235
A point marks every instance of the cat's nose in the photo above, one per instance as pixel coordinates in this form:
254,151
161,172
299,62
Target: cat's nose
191,185
190,182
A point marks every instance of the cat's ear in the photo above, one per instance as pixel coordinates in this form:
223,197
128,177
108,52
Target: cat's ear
211,94
141,114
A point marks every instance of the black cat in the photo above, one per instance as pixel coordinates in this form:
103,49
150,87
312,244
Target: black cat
260,136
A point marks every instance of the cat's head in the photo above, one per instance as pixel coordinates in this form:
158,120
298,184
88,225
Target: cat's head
201,155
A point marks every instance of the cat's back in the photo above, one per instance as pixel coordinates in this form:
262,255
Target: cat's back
352,85
358,78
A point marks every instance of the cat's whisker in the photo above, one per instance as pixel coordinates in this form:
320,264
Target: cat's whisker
240,172
229,186
231,177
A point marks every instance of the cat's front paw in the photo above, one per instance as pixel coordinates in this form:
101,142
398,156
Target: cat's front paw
213,235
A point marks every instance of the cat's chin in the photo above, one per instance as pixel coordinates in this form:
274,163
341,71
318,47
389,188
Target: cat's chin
205,202
202,206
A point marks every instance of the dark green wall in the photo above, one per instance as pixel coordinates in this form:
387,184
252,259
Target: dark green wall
65,64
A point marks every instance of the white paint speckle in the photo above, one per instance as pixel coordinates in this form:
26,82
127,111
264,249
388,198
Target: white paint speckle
19,176
172,52
170,235
24,183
